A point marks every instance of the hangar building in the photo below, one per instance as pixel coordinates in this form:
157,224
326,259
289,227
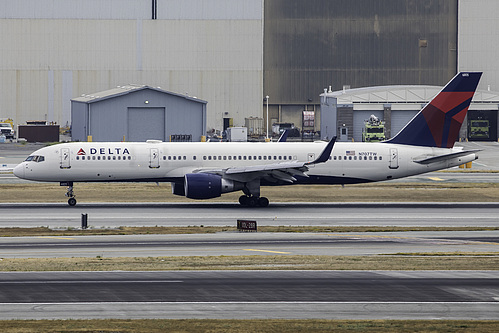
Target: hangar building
233,53
344,112
137,113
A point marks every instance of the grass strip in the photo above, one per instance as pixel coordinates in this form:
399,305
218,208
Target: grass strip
45,231
150,192
254,325
470,261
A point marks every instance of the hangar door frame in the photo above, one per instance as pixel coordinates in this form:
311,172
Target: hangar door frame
146,123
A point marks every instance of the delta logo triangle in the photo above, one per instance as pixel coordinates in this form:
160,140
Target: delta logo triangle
81,152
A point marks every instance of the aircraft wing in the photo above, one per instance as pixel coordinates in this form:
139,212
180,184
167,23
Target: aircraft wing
275,172
445,157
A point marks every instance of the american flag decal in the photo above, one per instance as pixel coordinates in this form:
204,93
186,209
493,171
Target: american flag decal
350,153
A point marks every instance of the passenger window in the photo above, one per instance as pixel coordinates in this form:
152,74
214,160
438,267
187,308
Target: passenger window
194,158
249,157
77,158
334,158
380,158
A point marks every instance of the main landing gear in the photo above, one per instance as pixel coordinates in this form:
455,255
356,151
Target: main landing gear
70,194
252,201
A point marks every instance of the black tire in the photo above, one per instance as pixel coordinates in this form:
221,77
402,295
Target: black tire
243,200
263,202
252,201
71,202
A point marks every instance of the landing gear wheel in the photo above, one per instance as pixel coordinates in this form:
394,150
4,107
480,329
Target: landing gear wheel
263,202
251,201
243,200
71,201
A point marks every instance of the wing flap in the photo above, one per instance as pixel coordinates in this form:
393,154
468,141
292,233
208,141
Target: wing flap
284,171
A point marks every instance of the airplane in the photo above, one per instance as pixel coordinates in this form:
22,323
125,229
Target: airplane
207,170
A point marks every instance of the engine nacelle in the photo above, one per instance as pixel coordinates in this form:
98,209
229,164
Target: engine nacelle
178,189
207,186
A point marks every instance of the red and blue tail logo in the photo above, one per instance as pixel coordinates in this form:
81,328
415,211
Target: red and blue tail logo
439,122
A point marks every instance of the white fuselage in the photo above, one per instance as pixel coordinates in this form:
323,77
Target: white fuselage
159,161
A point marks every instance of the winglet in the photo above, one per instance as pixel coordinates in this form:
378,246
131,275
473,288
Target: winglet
283,136
324,157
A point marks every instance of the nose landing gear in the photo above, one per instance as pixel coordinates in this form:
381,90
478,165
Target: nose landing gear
70,194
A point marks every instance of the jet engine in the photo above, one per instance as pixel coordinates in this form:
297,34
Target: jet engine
207,186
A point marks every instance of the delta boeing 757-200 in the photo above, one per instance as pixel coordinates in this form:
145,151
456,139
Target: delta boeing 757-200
207,170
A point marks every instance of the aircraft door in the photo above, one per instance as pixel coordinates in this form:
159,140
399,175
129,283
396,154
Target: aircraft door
310,158
154,158
394,158
65,158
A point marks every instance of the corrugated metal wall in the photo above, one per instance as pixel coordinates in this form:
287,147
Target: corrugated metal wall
311,44
55,50
479,40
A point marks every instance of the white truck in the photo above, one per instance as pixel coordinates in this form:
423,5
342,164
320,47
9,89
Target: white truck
7,130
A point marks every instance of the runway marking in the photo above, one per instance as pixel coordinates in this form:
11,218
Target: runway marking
436,179
260,302
53,237
256,250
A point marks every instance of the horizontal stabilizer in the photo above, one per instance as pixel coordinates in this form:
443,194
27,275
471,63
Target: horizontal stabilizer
445,157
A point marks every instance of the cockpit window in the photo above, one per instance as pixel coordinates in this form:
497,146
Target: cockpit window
35,158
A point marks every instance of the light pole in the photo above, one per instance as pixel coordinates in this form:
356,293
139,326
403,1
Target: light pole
267,98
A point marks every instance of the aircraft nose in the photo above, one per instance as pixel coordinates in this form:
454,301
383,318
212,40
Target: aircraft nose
19,170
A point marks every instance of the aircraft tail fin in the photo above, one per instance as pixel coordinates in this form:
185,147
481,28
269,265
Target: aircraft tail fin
439,122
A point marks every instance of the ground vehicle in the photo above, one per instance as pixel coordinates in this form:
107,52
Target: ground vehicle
479,129
374,130
7,130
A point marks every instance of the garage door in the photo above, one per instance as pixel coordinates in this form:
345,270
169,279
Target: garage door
400,118
146,124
